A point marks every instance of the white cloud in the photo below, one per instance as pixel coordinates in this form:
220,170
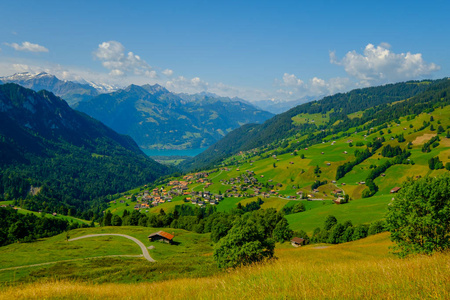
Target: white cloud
291,80
114,58
151,74
377,65
116,72
167,72
27,46
186,85
20,68
293,87
380,65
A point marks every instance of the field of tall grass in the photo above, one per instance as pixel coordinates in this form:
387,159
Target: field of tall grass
358,270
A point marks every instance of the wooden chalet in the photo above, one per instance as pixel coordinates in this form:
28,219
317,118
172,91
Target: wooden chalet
161,236
297,242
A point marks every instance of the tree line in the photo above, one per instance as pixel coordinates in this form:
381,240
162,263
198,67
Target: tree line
16,227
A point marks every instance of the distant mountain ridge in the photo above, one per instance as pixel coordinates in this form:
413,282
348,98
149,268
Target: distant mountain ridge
159,119
43,142
70,91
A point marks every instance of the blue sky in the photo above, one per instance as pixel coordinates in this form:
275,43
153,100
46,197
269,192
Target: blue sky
252,49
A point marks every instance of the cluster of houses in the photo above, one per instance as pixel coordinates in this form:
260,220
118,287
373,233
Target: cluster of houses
148,199
157,196
204,197
247,185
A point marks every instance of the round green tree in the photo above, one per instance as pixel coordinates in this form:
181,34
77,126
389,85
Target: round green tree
419,216
243,245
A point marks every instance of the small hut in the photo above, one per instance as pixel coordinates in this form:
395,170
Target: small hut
161,236
297,242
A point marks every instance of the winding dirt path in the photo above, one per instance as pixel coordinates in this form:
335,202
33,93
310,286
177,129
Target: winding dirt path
143,248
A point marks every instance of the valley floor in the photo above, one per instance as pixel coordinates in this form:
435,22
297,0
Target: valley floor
358,270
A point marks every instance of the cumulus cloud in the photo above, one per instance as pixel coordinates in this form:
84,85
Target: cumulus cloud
376,65
113,56
292,87
380,65
186,85
291,80
167,72
27,46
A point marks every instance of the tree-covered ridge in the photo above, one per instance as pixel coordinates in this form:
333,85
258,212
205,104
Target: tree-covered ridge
16,227
159,119
379,105
75,159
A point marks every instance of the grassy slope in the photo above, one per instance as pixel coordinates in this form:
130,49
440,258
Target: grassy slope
190,258
300,173
361,269
292,170
358,211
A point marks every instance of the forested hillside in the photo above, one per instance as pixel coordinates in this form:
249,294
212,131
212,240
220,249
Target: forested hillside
385,103
53,158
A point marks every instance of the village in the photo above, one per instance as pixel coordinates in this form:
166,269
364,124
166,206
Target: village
245,185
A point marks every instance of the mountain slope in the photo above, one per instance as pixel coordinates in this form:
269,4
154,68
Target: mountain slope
77,159
70,91
159,119
333,109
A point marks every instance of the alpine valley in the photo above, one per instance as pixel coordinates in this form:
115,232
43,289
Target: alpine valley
154,117
336,189
158,119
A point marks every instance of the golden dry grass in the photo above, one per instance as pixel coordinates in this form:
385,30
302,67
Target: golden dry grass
423,138
357,270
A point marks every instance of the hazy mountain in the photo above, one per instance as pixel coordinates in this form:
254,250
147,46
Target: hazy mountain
43,142
70,91
158,119
280,106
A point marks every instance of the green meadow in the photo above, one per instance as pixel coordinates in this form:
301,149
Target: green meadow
105,258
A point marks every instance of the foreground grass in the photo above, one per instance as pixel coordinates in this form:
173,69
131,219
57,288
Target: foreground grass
361,269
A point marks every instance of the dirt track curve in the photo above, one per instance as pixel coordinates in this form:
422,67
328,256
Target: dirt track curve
143,248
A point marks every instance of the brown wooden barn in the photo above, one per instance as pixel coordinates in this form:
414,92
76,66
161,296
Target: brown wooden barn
161,236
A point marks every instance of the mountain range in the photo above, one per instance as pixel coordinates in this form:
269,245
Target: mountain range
70,91
158,119
45,143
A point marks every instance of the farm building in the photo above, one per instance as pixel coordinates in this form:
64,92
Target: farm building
161,236
297,242
395,190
